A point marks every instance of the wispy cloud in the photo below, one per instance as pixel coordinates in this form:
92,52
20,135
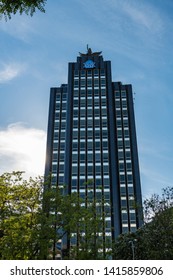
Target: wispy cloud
10,71
143,14
22,149
19,27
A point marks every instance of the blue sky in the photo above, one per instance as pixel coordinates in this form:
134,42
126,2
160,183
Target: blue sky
34,54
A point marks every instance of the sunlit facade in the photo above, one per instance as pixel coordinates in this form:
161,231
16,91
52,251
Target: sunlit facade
92,138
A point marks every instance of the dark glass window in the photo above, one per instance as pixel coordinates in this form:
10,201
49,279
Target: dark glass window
123,94
89,72
106,169
90,157
75,103
96,82
118,113
122,179
125,113
82,83
75,134
129,178
121,166
120,155
102,72
123,203
119,133
127,143
76,83
82,145
89,92
124,217
97,123
90,134
83,72
97,145
89,82
75,146
89,102
126,133
74,182
96,72
117,94
76,72
106,182
128,155
96,92
54,168
130,191
74,158
97,157
82,157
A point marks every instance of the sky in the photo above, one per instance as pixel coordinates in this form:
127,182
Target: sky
136,36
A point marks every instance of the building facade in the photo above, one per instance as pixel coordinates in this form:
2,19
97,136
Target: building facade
92,137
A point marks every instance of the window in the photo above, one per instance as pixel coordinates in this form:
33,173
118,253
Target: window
82,146
126,133
123,202
74,158
74,170
123,94
96,72
96,82
97,157
128,155
82,170
117,94
117,103
125,113
96,102
75,146
82,158
89,82
97,145
121,167
97,112
119,133
82,83
97,123
90,158
76,73
105,169
103,82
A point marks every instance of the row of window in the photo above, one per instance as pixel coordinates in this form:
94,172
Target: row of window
89,82
89,102
84,73
96,92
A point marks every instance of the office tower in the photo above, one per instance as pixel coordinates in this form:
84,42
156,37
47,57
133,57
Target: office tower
92,137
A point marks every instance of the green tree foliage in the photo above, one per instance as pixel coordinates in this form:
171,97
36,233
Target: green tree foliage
155,239
20,216
29,7
77,220
35,217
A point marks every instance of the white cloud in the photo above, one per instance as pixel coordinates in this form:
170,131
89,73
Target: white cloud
22,149
10,71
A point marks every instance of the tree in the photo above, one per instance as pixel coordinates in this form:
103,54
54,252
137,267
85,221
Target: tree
155,239
20,216
76,220
35,218
29,7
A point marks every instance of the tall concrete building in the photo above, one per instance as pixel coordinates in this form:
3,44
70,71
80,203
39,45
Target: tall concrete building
92,137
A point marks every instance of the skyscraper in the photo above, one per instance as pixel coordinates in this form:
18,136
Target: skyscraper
92,137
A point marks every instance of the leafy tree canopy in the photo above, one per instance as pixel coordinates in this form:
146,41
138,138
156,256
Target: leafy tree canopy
155,239
29,7
34,217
